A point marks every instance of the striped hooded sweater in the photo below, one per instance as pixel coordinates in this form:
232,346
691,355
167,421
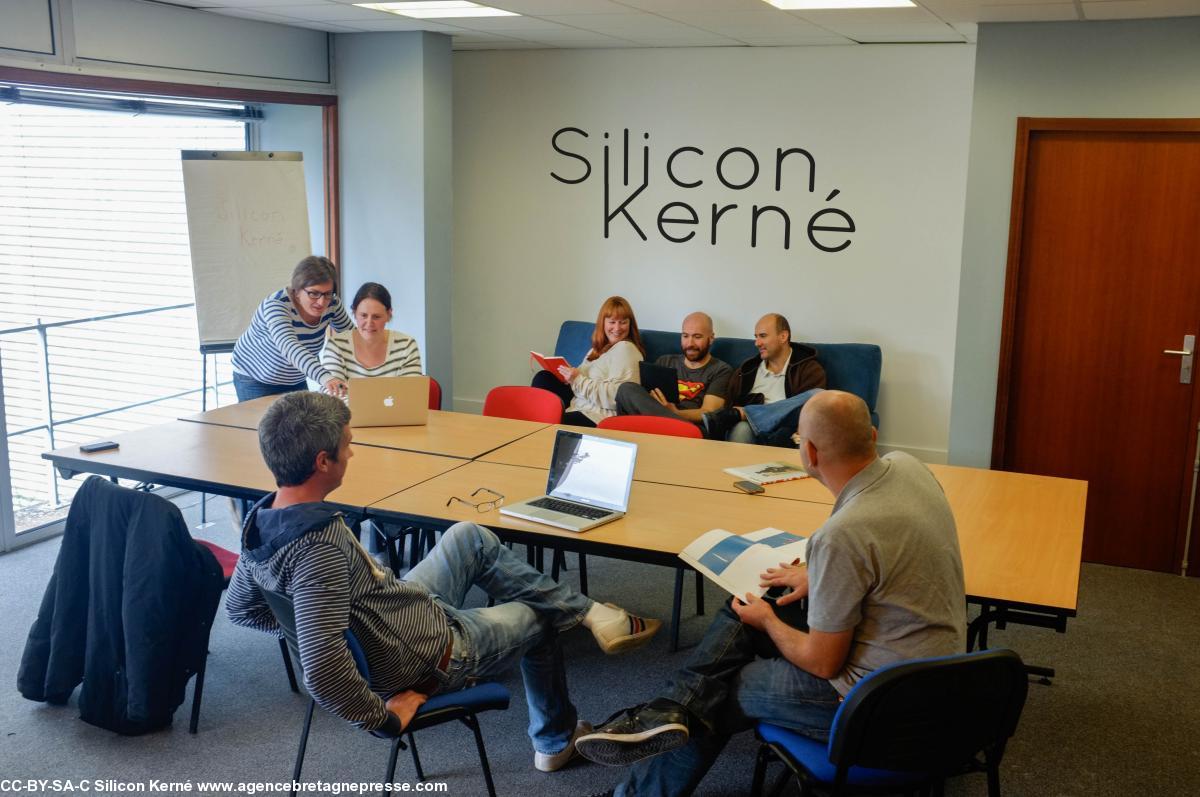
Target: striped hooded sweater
307,552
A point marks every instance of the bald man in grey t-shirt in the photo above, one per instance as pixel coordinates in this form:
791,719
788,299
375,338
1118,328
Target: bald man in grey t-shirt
884,579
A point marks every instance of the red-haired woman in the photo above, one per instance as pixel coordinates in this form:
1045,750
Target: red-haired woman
590,394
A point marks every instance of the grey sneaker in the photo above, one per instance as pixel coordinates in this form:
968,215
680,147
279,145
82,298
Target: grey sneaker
636,733
552,762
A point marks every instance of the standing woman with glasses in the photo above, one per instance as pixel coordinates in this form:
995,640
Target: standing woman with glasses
279,349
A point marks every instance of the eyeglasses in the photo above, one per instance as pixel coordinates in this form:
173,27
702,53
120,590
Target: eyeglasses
486,505
315,295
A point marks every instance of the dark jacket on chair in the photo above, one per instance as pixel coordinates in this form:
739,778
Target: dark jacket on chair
803,373
128,610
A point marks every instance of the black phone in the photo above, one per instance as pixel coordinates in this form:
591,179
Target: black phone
749,487
102,445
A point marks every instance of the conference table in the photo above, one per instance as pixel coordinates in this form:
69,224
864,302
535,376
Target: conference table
1021,535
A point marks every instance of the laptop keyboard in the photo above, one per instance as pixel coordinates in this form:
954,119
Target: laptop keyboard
568,508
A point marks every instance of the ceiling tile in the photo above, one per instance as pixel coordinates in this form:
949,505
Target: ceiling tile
245,13
645,25
911,32
514,25
400,24
795,38
559,7
749,24
509,45
1140,9
968,29
1055,12
329,12
868,16
672,7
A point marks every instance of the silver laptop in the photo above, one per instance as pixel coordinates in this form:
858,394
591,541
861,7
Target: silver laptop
389,401
588,483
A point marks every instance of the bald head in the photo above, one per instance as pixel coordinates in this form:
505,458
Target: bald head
696,338
699,322
839,425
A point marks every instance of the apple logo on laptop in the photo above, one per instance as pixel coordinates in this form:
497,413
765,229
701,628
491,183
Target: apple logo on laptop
389,401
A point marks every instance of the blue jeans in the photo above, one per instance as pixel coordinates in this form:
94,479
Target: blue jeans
248,387
774,423
531,611
734,678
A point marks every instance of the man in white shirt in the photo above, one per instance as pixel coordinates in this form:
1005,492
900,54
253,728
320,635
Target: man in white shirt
766,392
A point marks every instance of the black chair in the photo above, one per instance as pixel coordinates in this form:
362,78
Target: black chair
907,727
463,705
228,560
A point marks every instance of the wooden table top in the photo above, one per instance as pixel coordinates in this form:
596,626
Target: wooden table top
224,460
681,461
450,434
662,518
1021,535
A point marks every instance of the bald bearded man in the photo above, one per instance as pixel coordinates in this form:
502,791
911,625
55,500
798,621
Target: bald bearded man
703,379
884,580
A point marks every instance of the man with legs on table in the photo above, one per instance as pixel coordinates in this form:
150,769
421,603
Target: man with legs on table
418,639
884,581
703,379
766,392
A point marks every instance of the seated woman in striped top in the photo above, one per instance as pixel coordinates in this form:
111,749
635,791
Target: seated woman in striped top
371,349
278,351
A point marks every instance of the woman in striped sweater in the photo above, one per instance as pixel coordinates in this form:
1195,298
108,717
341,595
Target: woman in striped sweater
278,351
371,349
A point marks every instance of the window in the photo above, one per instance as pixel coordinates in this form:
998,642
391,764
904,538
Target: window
93,224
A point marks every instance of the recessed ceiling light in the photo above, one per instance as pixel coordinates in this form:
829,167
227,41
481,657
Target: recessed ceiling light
438,9
831,5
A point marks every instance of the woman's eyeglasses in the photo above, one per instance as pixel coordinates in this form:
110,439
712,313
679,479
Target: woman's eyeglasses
486,505
316,295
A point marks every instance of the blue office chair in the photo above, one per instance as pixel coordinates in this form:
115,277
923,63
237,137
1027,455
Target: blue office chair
907,727
463,705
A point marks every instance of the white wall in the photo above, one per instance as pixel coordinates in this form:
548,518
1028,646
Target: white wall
394,140
298,128
887,126
1141,68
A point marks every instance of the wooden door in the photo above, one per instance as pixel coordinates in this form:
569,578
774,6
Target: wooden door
1103,276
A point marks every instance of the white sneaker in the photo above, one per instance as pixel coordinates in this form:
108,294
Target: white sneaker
552,762
624,633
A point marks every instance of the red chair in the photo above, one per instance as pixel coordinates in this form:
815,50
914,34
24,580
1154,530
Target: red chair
523,404
435,394
532,404
652,424
228,560
675,427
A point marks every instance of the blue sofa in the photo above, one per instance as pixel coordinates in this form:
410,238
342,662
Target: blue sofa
853,367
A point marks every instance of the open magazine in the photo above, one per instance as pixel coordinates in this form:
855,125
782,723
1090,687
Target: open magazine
549,363
734,562
769,472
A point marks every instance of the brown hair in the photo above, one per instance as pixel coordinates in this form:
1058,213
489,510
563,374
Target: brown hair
614,307
312,270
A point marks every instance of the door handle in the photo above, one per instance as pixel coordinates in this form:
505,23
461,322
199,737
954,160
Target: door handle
1185,358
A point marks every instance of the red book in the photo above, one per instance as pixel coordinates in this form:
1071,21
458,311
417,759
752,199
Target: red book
551,364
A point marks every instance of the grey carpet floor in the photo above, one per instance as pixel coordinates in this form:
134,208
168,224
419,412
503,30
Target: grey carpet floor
1122,717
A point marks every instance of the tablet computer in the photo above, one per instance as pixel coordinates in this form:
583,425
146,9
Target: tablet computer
661,377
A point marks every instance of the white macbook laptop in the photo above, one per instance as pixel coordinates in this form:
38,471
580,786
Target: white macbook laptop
389,401
588,483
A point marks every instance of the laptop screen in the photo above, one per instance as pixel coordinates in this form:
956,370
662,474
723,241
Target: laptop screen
591,470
